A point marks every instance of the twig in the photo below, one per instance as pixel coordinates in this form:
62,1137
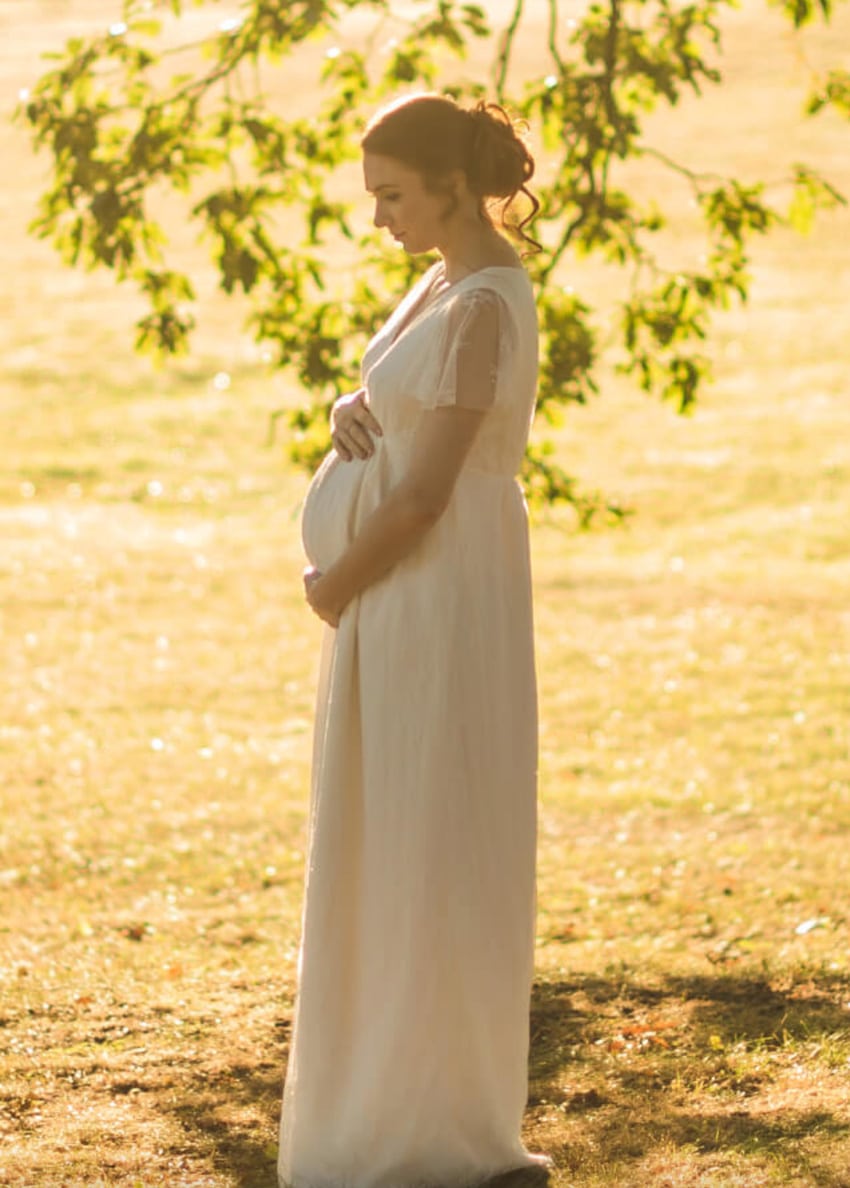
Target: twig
694,176
504,56
563,244
608,99
553,35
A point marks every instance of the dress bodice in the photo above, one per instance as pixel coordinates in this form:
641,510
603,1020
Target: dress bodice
403,362
404,371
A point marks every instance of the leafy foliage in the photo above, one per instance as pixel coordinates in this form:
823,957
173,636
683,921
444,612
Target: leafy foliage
259,185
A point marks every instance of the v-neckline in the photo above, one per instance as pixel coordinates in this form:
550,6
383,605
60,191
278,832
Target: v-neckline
428,298
418,306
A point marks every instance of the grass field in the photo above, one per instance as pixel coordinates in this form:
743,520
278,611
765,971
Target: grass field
691,1019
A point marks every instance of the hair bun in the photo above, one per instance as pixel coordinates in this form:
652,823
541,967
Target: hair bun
500,164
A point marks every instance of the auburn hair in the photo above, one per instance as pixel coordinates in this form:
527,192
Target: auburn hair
434,135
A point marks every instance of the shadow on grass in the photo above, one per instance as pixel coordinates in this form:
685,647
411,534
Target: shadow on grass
646,1069
685,1065
233,1115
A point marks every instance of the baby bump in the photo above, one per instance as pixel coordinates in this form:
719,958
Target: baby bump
342,495
327,518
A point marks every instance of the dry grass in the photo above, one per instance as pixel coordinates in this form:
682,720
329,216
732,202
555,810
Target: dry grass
690,1024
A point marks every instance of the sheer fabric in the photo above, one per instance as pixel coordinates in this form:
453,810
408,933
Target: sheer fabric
472,351
408,1060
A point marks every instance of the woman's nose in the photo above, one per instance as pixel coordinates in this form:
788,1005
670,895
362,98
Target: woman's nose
380,219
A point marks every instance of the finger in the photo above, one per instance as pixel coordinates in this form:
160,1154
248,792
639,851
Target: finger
361,414
355,449
360,440
345,448
370,422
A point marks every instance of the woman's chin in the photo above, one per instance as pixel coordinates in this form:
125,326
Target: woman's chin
413,248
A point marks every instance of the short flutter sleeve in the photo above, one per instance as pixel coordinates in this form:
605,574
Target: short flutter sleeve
475,334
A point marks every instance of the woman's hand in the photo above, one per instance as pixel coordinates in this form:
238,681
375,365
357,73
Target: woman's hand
320,597
352,426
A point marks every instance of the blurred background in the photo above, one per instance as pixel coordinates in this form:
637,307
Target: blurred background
694,664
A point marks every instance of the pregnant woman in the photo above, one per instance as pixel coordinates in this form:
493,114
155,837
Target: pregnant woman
408,1064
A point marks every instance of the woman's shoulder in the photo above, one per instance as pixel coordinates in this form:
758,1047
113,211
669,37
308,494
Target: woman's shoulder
502,266
500,285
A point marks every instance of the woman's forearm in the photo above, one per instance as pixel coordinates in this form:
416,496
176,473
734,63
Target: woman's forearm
440,446
392,531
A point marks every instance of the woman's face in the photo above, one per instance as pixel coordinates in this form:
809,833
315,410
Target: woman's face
413,215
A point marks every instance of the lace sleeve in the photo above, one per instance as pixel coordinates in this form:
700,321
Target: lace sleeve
471,349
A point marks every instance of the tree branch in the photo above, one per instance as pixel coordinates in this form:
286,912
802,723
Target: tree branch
611,111
563,243
504,56
553,36
693,176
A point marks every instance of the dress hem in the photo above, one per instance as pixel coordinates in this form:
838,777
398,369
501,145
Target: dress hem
540,1164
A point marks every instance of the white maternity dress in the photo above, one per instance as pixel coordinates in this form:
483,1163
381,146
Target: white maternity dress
408,1062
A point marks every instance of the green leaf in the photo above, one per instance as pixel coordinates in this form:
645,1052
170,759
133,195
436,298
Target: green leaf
146,28
801,213
263,186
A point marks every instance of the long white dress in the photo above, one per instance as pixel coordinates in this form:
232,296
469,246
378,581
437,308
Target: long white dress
408,1062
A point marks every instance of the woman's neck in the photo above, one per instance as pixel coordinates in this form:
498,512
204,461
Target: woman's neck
473,247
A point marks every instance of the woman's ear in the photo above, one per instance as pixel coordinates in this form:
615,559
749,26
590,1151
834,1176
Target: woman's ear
458,193
459,184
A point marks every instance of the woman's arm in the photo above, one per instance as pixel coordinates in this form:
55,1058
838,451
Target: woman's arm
441,444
